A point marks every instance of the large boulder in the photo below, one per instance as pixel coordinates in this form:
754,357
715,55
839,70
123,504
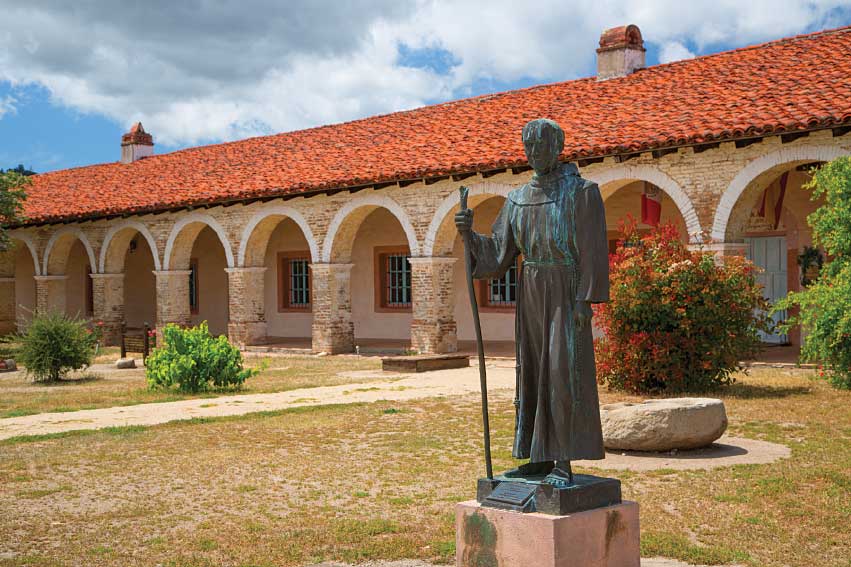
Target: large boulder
663,425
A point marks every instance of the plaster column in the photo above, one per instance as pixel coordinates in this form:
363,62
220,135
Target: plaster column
7,306
433,327
247,308
108,305
50,294
331,295
172,299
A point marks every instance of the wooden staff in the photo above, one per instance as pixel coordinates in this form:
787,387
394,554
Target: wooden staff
483,377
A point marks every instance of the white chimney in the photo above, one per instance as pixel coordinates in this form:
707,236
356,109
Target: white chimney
620,53
136,144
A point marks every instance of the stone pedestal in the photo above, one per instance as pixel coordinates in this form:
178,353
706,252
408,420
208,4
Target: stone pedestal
246,305
602,537
433,327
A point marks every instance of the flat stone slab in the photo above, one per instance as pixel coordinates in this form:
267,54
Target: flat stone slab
663,425
726,452
424,362
602,537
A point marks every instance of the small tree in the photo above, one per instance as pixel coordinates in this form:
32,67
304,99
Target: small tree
194,361
824,308
677,320
12,194
55,344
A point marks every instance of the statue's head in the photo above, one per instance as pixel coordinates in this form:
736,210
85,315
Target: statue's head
543,140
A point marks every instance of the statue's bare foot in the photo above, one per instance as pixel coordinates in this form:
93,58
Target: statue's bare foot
530,469
561,475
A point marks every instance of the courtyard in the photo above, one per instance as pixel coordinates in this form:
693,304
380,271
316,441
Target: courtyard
378,480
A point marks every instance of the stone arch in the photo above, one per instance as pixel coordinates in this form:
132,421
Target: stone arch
267,220
58,248
116,241
441,231
625,173
349,218
182,236
763,165
27,241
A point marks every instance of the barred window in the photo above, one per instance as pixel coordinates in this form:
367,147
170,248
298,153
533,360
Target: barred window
299,283
293,281
502,292
394,278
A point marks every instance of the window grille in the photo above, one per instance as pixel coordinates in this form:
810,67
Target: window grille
397,280
299,293
502,292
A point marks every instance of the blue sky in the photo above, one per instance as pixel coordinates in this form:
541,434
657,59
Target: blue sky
65,99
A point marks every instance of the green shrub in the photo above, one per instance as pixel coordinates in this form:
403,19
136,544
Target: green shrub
824,308
54,344
192,360
677,319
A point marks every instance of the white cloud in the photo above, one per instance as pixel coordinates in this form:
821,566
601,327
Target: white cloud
7,105
674,51
195,71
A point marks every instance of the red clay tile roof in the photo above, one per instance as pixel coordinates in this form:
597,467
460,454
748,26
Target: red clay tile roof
793,84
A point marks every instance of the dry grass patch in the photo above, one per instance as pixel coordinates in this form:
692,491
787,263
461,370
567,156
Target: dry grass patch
379,481
104,386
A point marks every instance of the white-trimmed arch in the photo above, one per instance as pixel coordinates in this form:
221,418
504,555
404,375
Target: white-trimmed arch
760,165
30,244
141,229
373,200
658,178
451,202
197,218
277,210
77,233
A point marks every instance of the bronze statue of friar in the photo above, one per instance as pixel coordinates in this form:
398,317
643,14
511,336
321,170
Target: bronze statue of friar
556,223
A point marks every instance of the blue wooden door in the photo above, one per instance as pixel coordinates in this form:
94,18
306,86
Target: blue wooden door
769,254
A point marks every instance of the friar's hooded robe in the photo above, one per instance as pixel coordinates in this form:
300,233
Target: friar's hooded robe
557,223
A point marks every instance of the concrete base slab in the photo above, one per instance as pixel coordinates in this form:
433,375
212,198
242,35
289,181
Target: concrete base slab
725,452
602,537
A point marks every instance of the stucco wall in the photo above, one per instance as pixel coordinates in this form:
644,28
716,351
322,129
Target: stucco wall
379,228
76,284
287,237
212,282
627,201
140,290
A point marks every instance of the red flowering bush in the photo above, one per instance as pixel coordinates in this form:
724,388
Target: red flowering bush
677,319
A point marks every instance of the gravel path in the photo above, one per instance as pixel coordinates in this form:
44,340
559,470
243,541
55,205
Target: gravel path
455,382
727,451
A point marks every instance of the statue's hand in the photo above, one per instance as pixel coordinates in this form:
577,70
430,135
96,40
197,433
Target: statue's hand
464,220
583,314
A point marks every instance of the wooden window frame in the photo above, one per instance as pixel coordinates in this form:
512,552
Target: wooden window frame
483,295
380,283
193,269
283,260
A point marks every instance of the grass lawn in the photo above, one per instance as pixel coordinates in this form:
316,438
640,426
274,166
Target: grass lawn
102,386
380,481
